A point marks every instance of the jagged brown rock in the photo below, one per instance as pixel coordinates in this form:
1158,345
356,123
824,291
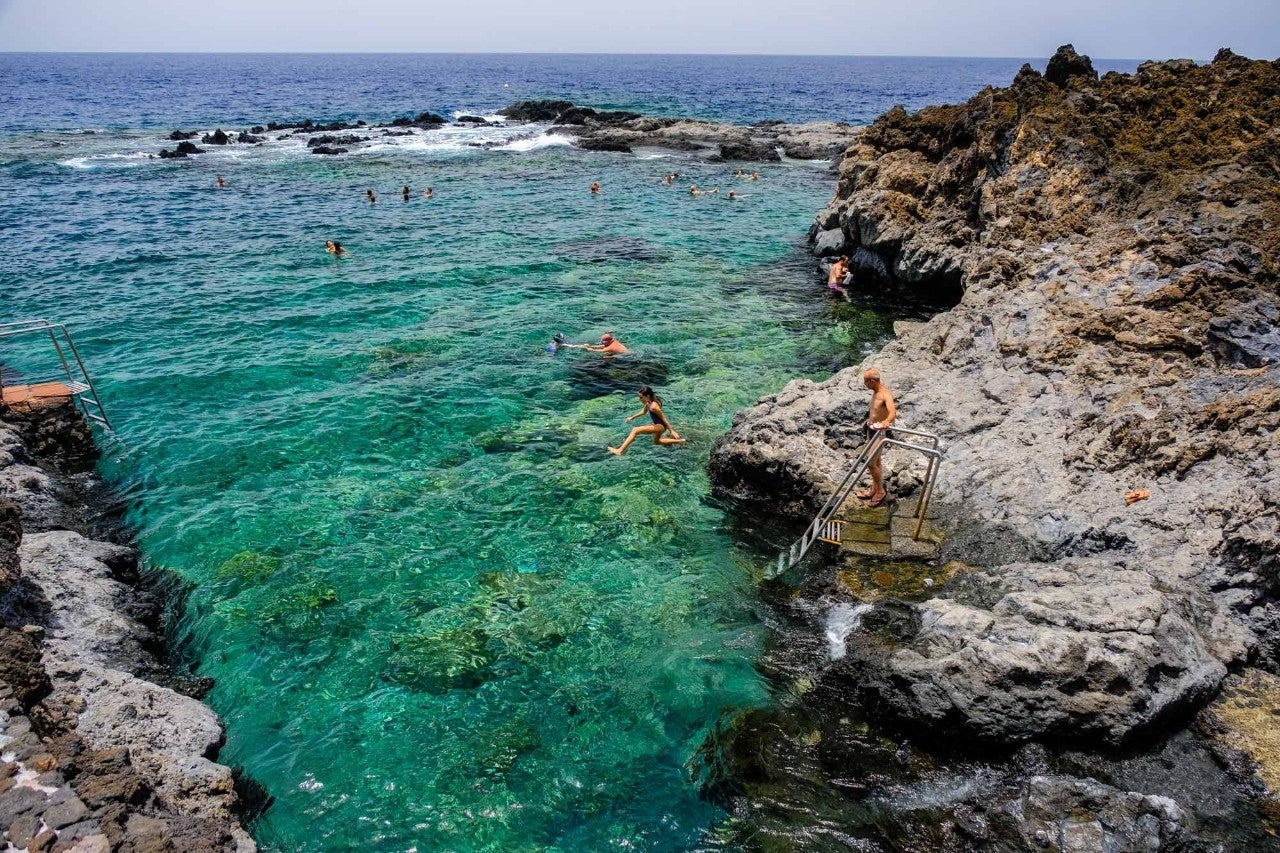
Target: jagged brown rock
1108,247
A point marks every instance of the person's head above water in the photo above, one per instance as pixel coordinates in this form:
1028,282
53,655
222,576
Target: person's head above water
606,338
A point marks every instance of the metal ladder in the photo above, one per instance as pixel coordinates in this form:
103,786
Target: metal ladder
78,381
826,527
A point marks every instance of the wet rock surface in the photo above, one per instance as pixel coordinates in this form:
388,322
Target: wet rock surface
1104,250
93,756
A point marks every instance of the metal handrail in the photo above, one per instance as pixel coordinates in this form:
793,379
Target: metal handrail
861,462
86,397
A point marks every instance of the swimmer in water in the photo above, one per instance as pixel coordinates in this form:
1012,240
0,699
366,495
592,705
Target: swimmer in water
373,199
221,183
693,190
754,176
609,345
333,247
658,428
404,192
430,193
595,188
735,195
739,174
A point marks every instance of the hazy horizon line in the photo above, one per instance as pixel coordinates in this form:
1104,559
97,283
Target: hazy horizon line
552,53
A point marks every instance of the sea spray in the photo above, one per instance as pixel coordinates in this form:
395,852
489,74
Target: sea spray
842,620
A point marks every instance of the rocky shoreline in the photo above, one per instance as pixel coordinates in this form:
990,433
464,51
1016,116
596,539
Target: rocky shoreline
1106,252
591,130
101,751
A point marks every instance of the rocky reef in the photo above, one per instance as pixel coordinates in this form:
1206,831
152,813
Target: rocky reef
101,750
622,131
1102,252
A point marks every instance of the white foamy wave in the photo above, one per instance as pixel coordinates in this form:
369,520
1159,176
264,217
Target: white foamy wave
841,621
107,161
549,140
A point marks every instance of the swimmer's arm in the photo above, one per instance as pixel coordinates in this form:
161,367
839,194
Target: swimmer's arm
663,415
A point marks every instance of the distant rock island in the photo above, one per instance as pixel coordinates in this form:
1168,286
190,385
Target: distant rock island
1103,252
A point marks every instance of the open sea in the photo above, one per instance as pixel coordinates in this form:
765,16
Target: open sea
440,616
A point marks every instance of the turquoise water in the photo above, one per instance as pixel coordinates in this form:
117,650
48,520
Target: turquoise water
439,614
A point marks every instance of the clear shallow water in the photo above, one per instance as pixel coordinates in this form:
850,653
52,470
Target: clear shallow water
439,614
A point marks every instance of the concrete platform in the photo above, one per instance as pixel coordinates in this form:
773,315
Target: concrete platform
886,530
26,397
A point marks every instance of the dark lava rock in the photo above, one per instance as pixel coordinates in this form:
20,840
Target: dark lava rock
749,151
424,119
59,433
471,120
248,138
1066,63
10,536
215,138
398,133
21,669
257,128
545,110
183,134
325,149
603,144
327,139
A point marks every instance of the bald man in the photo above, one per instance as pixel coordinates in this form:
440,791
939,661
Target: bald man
883,411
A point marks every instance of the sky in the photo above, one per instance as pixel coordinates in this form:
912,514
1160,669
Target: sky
1128,29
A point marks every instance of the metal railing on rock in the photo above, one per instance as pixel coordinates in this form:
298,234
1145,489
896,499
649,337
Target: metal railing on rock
826,527
78,382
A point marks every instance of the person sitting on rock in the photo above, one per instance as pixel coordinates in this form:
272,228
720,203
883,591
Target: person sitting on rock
881,417
838,275
653,408
609,345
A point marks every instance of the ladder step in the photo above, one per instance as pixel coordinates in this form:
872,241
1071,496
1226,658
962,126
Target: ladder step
832,531
76,387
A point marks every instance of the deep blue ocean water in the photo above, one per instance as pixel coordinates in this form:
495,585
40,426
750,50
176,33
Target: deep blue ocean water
439,614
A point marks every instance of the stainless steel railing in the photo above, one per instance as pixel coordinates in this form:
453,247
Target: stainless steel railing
82,388
823,523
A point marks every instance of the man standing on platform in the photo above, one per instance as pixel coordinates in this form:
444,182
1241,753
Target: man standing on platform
883,411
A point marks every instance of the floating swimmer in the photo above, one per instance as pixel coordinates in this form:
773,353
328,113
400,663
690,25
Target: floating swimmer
558,342
659,426
609,345
373,199
430,193
595,188
221,183
694,191
404,192
333,247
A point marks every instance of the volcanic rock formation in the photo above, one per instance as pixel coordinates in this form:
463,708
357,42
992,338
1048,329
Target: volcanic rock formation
1109,249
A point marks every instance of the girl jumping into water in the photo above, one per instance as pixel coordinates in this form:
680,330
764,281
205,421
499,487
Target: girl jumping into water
653,408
